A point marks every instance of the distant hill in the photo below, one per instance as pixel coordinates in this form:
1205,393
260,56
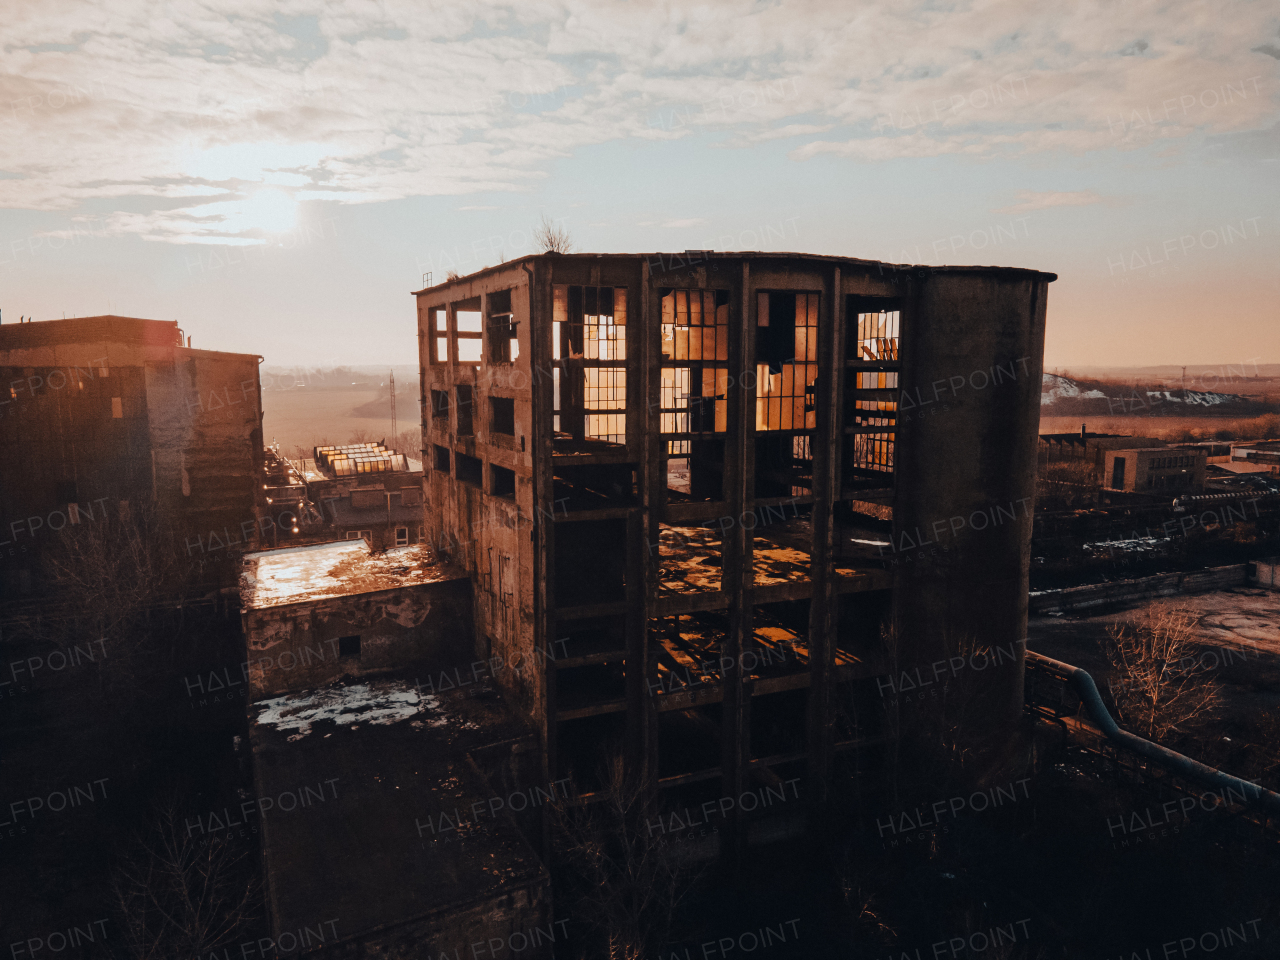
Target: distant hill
1078,396
1215,372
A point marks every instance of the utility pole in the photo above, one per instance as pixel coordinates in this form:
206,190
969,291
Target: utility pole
1184,383
393,407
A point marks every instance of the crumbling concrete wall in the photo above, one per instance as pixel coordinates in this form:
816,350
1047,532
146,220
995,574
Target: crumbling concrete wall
489,537
296,646
205,415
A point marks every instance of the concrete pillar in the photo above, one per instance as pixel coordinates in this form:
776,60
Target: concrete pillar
968,424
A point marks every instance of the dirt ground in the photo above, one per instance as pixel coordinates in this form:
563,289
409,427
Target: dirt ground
1238,631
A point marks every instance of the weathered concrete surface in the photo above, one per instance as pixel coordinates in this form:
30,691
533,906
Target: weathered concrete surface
106,411
298,602
409,853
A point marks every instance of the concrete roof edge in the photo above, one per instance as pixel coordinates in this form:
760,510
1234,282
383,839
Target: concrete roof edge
738,254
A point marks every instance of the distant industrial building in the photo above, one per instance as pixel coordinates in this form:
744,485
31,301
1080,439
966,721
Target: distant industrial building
1156,470
669,478
1124,463
363,490
106,416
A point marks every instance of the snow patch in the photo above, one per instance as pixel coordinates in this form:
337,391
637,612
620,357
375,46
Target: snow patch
387,701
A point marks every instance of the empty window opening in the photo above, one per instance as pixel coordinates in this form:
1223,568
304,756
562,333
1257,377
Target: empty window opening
685,651
468,331
349,647
465,396
502,415
589,638
690,558
402,536
786,361
778,724
470,469
438,331
587,488
441,458
782,544
504,347
695,472
591,684
117,408
584,747
695,374
688,742
589,342
440,408
502,482
590,562
784,464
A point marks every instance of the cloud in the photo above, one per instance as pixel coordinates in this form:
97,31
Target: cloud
1029,200
354,103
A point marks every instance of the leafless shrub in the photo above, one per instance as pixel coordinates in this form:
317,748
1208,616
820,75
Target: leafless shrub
451,275
626,883
115,578
550,237
182,896
1161,687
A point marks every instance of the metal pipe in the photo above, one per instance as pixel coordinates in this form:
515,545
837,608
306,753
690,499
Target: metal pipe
1171,760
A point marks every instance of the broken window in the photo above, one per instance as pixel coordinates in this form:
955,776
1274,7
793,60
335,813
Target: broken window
502,415
502,482
402,536
786,361
465,395
468,331
878,335
503,345
470,470
589,343
695,354
440,408
442,458
872,388
349,647
438,331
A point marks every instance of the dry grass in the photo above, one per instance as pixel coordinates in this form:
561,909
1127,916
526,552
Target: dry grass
1175,429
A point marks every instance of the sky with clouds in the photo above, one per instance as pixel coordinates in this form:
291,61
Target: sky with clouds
278,177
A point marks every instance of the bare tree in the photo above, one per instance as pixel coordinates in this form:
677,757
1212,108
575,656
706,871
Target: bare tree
116,576
626,883
550,237
1160,686
180,895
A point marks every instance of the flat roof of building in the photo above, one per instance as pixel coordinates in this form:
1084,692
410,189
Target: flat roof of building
340,568
107,328
406,827
675,260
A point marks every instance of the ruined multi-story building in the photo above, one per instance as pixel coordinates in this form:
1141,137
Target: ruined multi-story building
695,492
104,416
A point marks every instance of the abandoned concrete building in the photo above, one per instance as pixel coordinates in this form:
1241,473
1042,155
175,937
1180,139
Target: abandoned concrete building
692,490
105,416
336,632
363,490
